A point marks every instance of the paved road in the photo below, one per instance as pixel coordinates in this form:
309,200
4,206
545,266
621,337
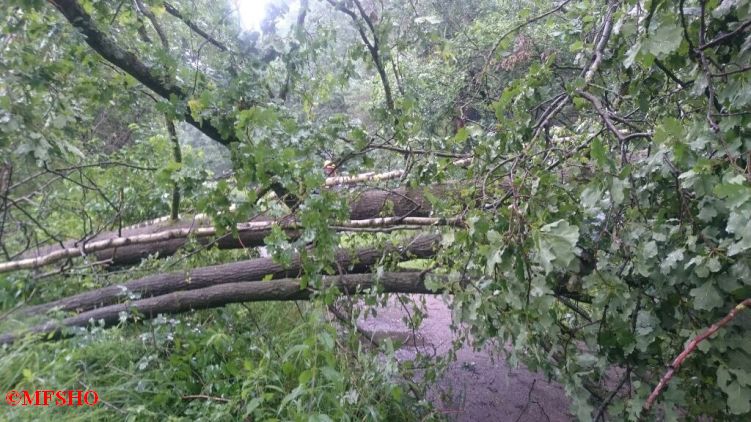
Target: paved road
475,386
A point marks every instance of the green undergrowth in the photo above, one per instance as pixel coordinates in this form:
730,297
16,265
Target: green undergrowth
272,361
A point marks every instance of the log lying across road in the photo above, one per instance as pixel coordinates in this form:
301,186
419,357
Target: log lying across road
166,237
256,231
223,294
350,261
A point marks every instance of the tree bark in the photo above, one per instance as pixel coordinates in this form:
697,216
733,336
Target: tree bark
223,294
368,204
349,261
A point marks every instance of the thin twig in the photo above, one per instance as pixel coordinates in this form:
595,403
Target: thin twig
724,37
690,347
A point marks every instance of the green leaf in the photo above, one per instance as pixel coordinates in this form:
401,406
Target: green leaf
706,297
631,55
736,194
723,378
331,374
556,244
714,264
739,398
669,131
724,8
665,39
645,323
616,190
590,200
739,224
397,393
253,405
598,152
305,376
671,261
576,46
461,135
649,249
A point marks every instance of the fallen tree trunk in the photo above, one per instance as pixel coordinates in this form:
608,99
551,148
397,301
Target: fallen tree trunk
331,181
223,294
357,261
165,237
377,177
256,231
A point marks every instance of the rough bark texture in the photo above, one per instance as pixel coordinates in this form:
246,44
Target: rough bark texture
357,261
370,203
400,202
223,294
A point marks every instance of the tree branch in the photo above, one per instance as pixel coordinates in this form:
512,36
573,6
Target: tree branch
190,24
373,47
605,115
690,347
131,64
178,157
724,37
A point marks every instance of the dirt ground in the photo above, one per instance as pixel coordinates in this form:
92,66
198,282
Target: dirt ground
475,387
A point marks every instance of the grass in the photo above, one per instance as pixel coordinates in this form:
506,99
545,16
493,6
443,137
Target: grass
271,361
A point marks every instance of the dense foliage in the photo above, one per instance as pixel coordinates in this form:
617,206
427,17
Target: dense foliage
604,190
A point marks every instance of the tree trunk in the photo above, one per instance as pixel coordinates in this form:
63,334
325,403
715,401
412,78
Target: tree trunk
223,294
367,204
349,261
